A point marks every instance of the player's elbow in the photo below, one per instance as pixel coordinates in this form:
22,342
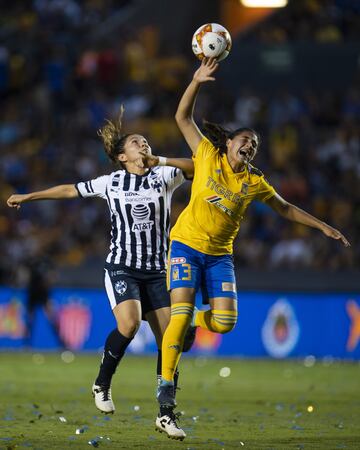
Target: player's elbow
70,191
182,119
284,209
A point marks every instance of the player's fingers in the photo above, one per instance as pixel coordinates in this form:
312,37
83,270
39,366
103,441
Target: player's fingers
212,62
212,69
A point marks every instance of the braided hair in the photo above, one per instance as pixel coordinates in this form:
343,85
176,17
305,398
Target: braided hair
218,135
113,139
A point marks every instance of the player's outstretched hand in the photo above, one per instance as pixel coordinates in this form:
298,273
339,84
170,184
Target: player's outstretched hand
15,200
205,71
335,234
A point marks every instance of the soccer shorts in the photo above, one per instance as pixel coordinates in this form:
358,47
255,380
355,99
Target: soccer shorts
214,275
149,287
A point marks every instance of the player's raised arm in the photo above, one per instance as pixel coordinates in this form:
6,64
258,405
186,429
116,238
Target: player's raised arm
296,214
184,114
60,192
184,164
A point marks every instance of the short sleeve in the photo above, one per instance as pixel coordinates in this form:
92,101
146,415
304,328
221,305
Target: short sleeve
265,190
205,150
93,188
173,177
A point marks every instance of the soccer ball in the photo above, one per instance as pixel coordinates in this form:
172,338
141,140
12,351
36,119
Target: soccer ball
211,41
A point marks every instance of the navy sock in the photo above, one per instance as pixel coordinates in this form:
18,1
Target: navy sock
114,350
158,367
165,410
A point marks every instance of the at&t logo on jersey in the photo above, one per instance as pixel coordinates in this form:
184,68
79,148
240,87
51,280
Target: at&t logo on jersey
141,215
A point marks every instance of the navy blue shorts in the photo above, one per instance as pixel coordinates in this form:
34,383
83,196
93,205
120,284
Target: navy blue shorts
149,287
214,275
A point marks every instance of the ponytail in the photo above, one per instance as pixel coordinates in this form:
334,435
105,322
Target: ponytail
112,137
217,134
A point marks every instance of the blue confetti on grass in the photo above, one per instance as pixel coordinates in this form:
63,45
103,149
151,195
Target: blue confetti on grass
297,428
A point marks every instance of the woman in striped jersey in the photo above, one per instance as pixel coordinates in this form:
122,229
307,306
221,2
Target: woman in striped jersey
138,195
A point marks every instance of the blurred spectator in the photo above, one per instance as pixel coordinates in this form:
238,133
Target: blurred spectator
57,85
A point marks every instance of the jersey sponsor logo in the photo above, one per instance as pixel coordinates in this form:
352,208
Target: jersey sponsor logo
280,332
121,287
216,201
179,260
228,287
140,214
223,191
137,199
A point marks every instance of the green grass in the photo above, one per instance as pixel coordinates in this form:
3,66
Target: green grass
261,405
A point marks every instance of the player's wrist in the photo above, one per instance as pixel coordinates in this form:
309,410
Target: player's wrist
162,161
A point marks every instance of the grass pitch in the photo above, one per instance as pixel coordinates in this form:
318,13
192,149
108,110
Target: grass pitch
260,405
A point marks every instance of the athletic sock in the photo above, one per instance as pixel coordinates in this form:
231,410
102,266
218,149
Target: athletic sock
158,373
181,314
216,320
166,411
114,350
158,368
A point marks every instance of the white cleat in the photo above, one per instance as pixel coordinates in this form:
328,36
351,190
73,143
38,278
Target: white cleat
167,424
103,400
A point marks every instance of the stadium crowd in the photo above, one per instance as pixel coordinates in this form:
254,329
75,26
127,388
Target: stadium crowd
322,21
57,86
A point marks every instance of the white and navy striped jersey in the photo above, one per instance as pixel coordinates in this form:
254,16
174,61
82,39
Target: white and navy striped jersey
140,214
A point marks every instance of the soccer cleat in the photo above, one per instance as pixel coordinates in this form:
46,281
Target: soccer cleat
168,424
103,400
190,333
166,394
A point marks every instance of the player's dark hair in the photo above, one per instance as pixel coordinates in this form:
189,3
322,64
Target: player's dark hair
113,139
218,135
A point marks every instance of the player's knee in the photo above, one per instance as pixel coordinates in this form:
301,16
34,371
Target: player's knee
223,329
130,328
224,321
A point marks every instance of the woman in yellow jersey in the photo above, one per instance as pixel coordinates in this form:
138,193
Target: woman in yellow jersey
224,185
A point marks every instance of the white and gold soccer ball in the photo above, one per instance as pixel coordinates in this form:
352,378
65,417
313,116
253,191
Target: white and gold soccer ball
211,41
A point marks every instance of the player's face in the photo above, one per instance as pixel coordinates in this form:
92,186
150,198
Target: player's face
135,147
242,148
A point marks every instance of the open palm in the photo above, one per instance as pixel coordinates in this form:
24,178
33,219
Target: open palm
205,71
